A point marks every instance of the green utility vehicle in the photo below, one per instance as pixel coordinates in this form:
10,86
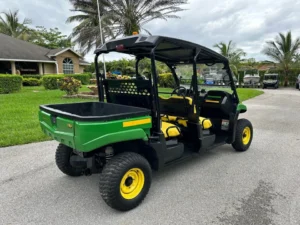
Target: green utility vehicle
134,129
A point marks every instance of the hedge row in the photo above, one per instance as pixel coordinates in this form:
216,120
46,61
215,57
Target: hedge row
31,82
50,81
36,76
10,83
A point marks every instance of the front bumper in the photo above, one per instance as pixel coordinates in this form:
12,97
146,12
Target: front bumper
269,84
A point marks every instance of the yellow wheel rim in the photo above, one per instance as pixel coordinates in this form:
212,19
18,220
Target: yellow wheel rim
246,135
132,183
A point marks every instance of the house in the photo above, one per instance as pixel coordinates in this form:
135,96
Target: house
21,57
267,65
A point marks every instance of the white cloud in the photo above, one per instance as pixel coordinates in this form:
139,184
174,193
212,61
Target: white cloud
249,23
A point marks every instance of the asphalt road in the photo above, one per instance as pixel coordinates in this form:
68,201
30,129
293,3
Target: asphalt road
260,186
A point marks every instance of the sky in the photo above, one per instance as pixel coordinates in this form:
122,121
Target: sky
248,23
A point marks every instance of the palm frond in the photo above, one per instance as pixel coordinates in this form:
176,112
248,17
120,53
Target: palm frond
119,17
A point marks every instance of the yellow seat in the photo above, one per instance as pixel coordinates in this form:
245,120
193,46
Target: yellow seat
206,123
170,130
167,118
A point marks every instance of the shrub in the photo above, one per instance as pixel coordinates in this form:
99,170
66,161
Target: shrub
31,82
130,70
10,83
166,80
110,76
36,76
50,81
122,77
70,85
84,78
146,73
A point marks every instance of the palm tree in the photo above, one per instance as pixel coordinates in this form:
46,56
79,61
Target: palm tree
233,54
283,50
119,17
10,25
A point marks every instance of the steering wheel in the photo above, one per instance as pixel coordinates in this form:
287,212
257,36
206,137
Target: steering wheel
180,91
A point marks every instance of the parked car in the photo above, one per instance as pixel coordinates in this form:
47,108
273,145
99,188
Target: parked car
298,82
209,81
251,81
271,80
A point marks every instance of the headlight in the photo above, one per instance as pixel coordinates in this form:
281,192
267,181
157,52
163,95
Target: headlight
258,83
237,83
223,83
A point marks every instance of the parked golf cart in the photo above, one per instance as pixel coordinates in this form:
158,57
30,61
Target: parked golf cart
138,128
271,80
252,81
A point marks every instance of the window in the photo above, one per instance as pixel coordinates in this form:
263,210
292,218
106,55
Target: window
68,66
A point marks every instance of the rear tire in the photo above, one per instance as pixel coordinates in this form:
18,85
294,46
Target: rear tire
125,181
62,158
297,86
243,135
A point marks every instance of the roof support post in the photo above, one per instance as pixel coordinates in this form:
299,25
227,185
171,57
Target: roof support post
195,82
172,68
13,67
156,109
99,78
41,68
232,84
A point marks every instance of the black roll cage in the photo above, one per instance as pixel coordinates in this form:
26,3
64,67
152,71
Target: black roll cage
154,76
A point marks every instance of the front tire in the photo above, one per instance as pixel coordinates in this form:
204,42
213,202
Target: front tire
125,181
62,159
243,135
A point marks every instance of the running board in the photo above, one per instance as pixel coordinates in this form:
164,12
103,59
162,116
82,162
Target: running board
186,156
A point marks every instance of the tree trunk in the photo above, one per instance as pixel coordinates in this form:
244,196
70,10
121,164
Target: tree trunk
286,80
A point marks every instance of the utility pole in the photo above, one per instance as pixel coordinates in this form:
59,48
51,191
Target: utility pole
101,36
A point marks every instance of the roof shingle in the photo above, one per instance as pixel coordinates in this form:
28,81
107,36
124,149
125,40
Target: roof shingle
12,48
15,49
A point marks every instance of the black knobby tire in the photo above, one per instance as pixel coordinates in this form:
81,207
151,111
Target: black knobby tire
238,144
111,177
62,158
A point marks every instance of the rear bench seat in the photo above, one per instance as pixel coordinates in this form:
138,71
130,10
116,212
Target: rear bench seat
205,122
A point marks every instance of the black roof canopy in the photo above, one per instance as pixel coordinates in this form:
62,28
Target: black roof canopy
169,50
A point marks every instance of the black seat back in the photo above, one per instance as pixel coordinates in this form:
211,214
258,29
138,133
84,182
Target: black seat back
129,92
217,104
174,106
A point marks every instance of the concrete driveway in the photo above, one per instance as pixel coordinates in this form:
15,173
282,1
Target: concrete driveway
260,186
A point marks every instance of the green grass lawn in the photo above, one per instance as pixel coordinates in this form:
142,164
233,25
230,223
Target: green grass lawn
19,112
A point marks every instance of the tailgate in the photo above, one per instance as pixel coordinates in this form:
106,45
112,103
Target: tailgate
58,128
